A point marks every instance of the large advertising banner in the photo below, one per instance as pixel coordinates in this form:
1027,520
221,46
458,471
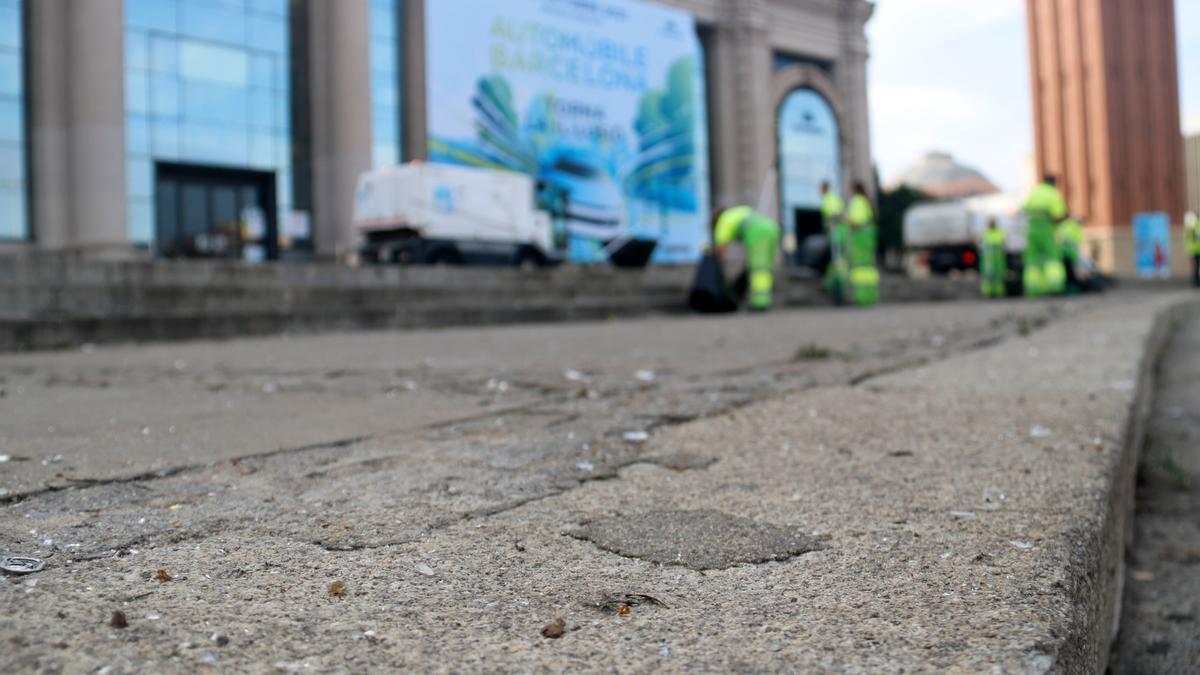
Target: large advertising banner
602,101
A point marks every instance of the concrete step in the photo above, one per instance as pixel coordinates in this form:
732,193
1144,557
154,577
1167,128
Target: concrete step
52,302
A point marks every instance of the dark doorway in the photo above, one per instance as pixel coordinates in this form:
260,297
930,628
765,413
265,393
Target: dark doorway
812,244
213,212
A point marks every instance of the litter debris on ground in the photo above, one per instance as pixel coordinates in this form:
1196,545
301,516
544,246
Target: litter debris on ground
637,436
119,620
337,589
555,629
163,576
425,569
1038,431
621,603
586,467
815,352
1023,545
1142,575
644,375
18,564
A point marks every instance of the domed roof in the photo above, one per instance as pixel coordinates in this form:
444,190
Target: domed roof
938,174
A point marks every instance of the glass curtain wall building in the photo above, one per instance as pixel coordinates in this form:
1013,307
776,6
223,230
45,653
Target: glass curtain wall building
209,157
385,81
14,218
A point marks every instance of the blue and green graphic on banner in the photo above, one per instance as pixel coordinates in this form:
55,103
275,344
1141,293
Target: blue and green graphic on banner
601,100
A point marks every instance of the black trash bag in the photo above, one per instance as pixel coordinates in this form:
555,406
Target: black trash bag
631,253
710,294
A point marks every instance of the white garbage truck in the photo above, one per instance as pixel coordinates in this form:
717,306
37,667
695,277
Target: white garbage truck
432,214
947,235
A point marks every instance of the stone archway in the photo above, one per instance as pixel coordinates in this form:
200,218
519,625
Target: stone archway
810,147
800,76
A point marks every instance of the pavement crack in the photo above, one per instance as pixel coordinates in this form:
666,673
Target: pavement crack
82,483
159,474
890,369
362,546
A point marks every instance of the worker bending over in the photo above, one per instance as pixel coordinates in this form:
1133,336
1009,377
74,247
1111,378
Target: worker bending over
993,265
1044,270
864,275
759,235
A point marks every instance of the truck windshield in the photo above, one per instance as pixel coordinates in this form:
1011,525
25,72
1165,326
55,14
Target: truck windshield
575,168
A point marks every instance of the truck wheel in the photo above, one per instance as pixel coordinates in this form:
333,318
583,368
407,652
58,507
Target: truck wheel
529,258
444,255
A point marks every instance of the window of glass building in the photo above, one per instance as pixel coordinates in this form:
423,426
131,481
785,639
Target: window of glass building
207,106
14,219
385,81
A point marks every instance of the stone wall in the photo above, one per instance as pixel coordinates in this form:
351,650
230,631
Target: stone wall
51,301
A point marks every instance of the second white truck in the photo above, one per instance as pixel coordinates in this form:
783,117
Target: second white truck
946,235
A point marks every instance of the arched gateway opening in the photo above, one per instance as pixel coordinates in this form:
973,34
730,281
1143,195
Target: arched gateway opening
809,154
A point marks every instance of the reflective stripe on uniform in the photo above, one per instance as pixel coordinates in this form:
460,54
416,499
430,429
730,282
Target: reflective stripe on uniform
864,276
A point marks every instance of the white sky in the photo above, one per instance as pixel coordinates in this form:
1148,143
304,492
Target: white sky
954,75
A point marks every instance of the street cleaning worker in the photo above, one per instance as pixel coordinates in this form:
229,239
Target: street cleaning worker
832,210
993,266
1191,229
1070,239
862,237
1044,272
760,237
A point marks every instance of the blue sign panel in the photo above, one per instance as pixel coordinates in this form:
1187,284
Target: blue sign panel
601,100
1152,244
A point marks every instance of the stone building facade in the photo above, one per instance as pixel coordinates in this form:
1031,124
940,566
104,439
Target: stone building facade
135,118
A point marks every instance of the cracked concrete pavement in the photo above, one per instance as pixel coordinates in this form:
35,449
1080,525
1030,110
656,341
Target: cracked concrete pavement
407,500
